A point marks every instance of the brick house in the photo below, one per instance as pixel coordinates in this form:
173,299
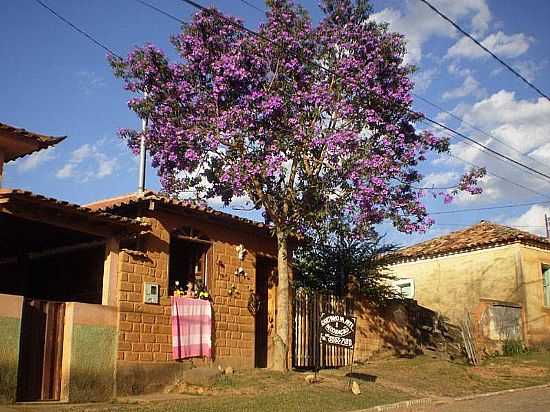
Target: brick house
76,322
500,275
189,243
58,307
57,298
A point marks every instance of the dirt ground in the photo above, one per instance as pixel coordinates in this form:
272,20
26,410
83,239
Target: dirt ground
381,382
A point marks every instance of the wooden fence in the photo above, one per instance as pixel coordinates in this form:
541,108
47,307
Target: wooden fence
307,350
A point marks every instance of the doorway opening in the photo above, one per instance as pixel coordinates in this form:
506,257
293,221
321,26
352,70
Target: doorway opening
265,269
41,351
189,260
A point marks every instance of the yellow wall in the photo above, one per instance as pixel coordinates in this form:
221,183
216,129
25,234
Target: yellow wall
452,283
511,273
537,316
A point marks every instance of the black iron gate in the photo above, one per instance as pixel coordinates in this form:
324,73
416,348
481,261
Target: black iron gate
307,351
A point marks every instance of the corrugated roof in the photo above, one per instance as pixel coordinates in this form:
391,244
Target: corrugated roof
480,236
135,198
97,215
32,141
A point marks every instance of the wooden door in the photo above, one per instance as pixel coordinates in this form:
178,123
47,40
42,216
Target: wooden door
41,350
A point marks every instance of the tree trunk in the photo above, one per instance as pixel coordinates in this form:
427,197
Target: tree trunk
281,338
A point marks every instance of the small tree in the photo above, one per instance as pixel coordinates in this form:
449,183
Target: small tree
303,121
328,261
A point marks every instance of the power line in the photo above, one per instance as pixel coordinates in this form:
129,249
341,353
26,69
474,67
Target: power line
257,35
465,33
474,127
250,4
500,160
470,224
74,27
485,147
501,177
479,209
194,4
170,16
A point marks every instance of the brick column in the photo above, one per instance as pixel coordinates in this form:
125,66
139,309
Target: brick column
110,273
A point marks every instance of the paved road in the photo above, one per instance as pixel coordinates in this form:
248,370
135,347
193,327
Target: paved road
532,400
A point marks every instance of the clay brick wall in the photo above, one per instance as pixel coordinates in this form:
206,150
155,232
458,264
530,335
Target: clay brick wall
145,330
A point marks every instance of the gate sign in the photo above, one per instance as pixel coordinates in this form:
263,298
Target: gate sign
338,330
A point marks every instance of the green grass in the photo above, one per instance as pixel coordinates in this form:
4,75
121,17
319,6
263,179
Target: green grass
382,382
311,399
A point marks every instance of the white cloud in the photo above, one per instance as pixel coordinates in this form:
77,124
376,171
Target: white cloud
35,160
532,220
499,43
87,163
530,69
469,87
440,179
520,124
423,79
418,23
89,81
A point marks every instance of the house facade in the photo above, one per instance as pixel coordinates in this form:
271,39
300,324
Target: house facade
234,258
497,274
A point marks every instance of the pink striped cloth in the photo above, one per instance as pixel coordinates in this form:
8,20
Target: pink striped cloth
191,327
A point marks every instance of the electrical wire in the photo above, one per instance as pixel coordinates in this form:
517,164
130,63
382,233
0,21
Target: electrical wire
506,65
79,30
250,4
91,38
485,147
165,13
328,70
476,128
495,207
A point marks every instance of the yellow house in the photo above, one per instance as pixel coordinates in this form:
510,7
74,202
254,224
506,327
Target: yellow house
500,275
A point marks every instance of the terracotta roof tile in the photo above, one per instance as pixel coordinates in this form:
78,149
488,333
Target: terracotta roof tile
134,198
482,235
15,194
34,141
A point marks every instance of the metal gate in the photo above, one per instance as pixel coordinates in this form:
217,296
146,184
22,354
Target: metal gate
41,350
307,350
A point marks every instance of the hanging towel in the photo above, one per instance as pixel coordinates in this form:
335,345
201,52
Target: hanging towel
191,327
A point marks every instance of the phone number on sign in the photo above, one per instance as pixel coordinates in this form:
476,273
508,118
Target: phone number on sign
335,340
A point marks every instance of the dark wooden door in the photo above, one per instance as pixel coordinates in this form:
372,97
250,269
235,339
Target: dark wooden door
40,351
263,270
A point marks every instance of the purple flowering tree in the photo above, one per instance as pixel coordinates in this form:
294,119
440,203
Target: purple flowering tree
303,121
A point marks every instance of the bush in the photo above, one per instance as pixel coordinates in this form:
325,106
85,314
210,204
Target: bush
512,347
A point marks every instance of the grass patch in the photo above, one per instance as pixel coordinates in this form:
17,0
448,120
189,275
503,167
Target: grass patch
310,400
382,382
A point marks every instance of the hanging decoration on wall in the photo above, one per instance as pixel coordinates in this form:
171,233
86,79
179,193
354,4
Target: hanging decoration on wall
233,291
241,252
254,303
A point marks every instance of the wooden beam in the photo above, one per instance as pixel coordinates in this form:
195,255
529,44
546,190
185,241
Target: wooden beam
68,220
66,249
194,239
56,251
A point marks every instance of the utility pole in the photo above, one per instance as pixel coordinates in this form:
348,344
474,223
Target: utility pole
142,155
546,224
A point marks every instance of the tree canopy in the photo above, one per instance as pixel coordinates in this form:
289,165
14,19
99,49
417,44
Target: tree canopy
302,119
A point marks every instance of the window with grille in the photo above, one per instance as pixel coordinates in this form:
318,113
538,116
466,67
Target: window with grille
546,284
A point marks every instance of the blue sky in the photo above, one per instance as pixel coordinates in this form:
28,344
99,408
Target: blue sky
55,81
